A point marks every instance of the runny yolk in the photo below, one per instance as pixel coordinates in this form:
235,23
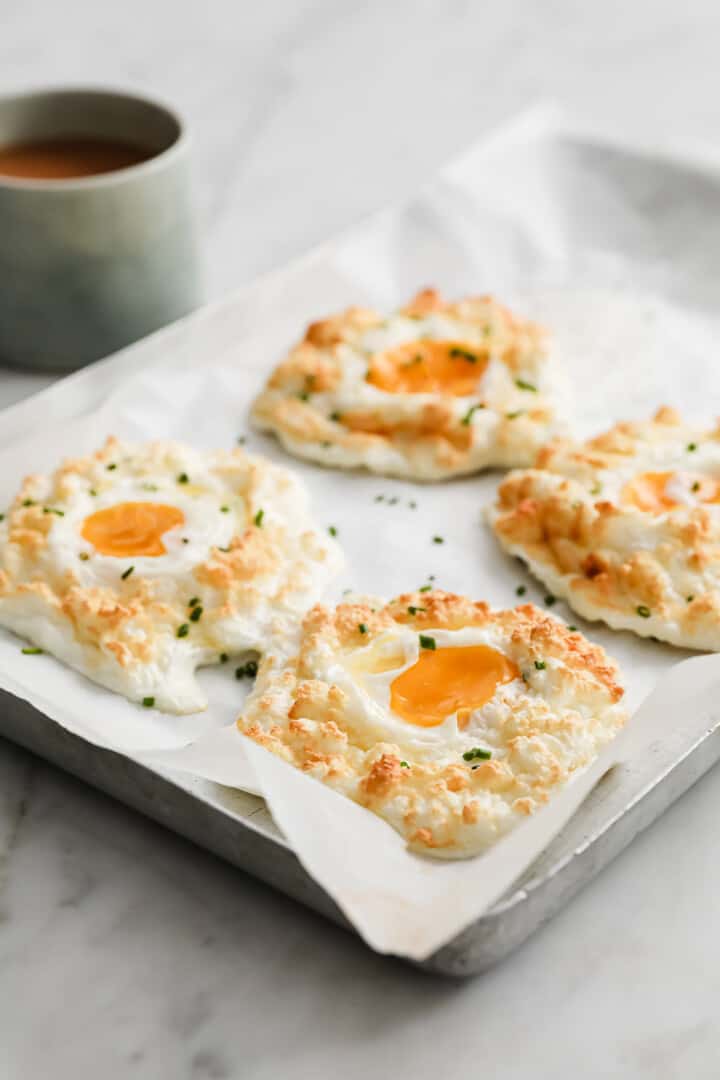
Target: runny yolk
131,528
426,367
447,681
649,491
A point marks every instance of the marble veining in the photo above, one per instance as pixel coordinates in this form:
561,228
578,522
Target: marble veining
125,951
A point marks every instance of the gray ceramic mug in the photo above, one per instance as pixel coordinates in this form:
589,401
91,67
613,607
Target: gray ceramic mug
90,264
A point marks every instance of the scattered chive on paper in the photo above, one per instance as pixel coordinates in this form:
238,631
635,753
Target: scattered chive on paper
521,590
438,540
362,627
513,415
550,599
540,665
84,556
572,629
30,650
258,519
184,630
689,599
224,509
467,418
404,765
643,611
183,478
332,530
126,574
148,702
196,613
224,658
28,502
53,510
111,466
458,353
692,446
425,588
427,642
193,601
522,385
247,671
413,610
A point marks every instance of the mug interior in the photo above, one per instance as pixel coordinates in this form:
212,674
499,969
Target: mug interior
99,114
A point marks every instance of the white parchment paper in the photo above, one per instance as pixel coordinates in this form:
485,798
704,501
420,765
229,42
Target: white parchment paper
618,253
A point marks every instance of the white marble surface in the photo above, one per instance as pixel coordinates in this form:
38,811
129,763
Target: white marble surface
125,952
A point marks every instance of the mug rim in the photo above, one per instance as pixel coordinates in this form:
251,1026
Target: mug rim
127,173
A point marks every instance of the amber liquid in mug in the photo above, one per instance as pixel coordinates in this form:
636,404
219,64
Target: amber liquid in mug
68,158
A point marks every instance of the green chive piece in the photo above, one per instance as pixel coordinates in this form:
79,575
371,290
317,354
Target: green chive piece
128,572
92,492
521,590
514,415
394,501
643,611
467,418
223,549
193,601
696,486
379,498
335,416
258,519
224,658
540,665
29,650
457,353
148,702
332,530
241,440
691,446
425,588
28,502
412,504
550,599
572,629
412,610
438,540
689,599
111,467
185,540
362,627
477,753
404,765
184,630
52,510
247,671
224,509
427,642
196,613
304,396
522,385
84,556
2,517
183,478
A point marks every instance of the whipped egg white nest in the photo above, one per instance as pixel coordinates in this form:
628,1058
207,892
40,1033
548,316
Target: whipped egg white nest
625,527
448,719
435,390
140,563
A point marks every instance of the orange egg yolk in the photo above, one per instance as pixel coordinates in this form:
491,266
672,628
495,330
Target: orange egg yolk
428,367
131,528
447,681
649,491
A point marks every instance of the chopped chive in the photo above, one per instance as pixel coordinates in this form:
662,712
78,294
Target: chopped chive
467,418
128,572
30,650
223,658
477,752
150,487
521,590
404,765
304,396
550,599
28,502
224,509
53,510
413,610
241,440
184,630
596,489
412,504
2,517
425,588
689,599
223,549
258,519
522,385
193,601
540,665
196,613
696,486
84,556
92,492
572,629
379,498
427,642
457,353
325,444
148,702
247,671
643,611
362,627
438,540
336,416
514,415
332,530
691,446
185,540
183,478
111,466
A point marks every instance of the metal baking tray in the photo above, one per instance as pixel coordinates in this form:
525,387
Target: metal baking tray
238,828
